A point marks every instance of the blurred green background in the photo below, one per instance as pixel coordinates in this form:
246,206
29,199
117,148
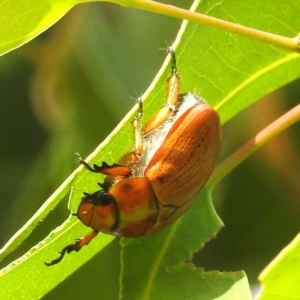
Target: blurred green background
65,91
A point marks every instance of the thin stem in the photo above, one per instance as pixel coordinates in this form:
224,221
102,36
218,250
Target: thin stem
251,146
292,44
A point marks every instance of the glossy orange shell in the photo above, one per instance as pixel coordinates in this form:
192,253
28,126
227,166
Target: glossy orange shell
184,162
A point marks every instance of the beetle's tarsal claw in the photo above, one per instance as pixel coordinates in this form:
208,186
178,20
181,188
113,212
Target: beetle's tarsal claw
73,247
140,109
79,159
82,162
170,50
173,60
59,259
78,156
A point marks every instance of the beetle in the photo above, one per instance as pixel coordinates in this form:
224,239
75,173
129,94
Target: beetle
152,186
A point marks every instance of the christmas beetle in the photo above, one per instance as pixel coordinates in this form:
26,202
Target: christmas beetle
152,186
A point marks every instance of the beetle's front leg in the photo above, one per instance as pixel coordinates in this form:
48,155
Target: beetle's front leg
73,247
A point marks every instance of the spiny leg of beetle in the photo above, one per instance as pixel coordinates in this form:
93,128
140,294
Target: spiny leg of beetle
113,170
73,247
134,156
173,98
173,82
82,162
137,131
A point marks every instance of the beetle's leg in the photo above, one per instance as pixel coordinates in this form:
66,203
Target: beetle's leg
133,157
173,98
114,170
73,247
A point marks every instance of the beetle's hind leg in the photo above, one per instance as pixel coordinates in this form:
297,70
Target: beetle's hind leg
172,97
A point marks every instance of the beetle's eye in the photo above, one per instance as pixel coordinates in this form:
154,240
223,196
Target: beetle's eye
103,199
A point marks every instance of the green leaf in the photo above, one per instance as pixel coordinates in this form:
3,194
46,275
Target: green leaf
230,72
153,267
280,280
21,21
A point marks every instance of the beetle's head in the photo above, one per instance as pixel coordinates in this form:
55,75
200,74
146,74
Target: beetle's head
99,211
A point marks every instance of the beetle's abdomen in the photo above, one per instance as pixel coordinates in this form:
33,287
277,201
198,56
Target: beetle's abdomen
185,160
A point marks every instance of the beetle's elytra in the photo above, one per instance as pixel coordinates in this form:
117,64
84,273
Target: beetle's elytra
152,186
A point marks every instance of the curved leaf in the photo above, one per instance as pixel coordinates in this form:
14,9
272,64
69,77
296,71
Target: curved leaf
230,73
281,277
21,21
